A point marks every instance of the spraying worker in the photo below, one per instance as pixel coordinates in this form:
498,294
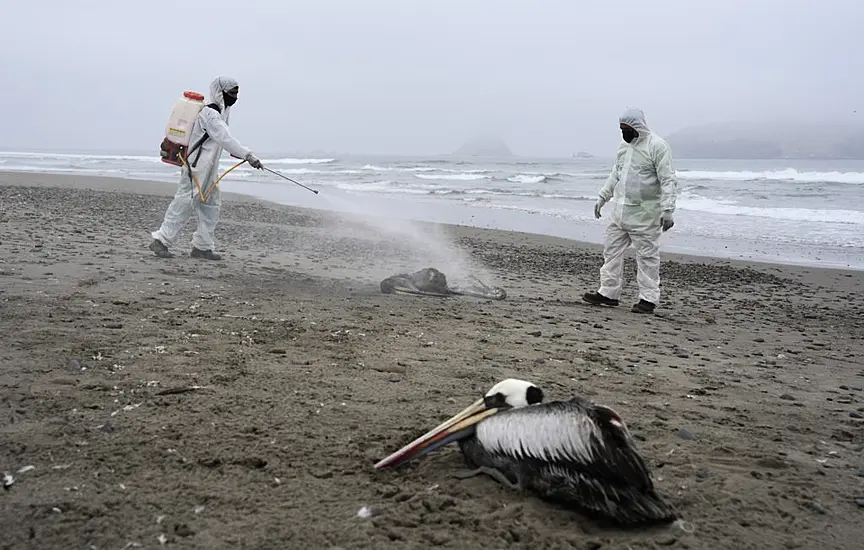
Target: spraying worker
211,129
642,188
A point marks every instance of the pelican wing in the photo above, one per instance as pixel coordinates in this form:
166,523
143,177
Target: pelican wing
575,436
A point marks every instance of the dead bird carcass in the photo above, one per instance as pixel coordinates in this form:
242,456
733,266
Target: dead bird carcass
431,282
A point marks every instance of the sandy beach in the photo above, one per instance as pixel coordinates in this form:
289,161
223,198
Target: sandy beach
241,404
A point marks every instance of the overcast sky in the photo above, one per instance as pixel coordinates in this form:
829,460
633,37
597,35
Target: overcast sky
412,77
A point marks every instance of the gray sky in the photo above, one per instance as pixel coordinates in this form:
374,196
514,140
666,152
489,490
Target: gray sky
411,77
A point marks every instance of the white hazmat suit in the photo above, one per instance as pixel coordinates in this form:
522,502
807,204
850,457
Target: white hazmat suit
206,169
642,189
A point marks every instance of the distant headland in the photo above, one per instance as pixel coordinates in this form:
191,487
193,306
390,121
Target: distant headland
750,140
483,146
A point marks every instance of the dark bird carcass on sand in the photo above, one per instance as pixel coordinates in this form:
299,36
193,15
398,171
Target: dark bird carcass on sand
573,452
432,282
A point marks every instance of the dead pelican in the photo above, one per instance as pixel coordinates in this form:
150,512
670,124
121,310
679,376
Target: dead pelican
431,282
571,452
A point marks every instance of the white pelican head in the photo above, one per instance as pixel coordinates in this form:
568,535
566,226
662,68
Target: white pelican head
507,394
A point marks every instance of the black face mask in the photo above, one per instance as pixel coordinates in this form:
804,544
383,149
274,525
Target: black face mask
229,99
629,134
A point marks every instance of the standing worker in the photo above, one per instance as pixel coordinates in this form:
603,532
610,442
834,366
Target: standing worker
212,126
642,188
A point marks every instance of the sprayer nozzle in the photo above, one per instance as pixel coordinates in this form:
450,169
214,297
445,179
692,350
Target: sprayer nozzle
283,176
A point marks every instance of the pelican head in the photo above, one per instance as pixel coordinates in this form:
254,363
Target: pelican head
507,394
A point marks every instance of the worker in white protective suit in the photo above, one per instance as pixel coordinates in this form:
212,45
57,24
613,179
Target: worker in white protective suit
642,189
204,159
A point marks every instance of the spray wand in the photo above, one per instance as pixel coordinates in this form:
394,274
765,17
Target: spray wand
289,179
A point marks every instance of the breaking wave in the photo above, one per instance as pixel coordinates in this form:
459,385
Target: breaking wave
456,177
526,178
789,174
729,208
298,161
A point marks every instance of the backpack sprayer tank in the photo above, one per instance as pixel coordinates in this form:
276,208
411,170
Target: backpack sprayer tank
178,132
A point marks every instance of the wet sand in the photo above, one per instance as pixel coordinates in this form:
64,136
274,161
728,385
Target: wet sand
241,404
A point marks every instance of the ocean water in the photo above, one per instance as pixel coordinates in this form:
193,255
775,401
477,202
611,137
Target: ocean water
791,211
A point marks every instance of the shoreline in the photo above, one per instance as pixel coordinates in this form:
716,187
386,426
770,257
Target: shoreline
167,189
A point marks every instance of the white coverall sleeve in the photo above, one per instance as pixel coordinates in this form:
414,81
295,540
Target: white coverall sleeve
609,186
219,132
666,175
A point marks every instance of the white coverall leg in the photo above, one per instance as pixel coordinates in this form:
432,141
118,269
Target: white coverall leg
612,271
187,198
186,202
643,190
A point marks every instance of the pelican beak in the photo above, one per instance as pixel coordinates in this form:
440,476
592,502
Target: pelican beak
452,430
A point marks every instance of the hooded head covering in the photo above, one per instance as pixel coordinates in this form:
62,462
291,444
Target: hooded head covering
217,87
635,118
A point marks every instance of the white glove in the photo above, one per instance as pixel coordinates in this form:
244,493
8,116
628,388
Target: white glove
253,161
598,207
666,221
